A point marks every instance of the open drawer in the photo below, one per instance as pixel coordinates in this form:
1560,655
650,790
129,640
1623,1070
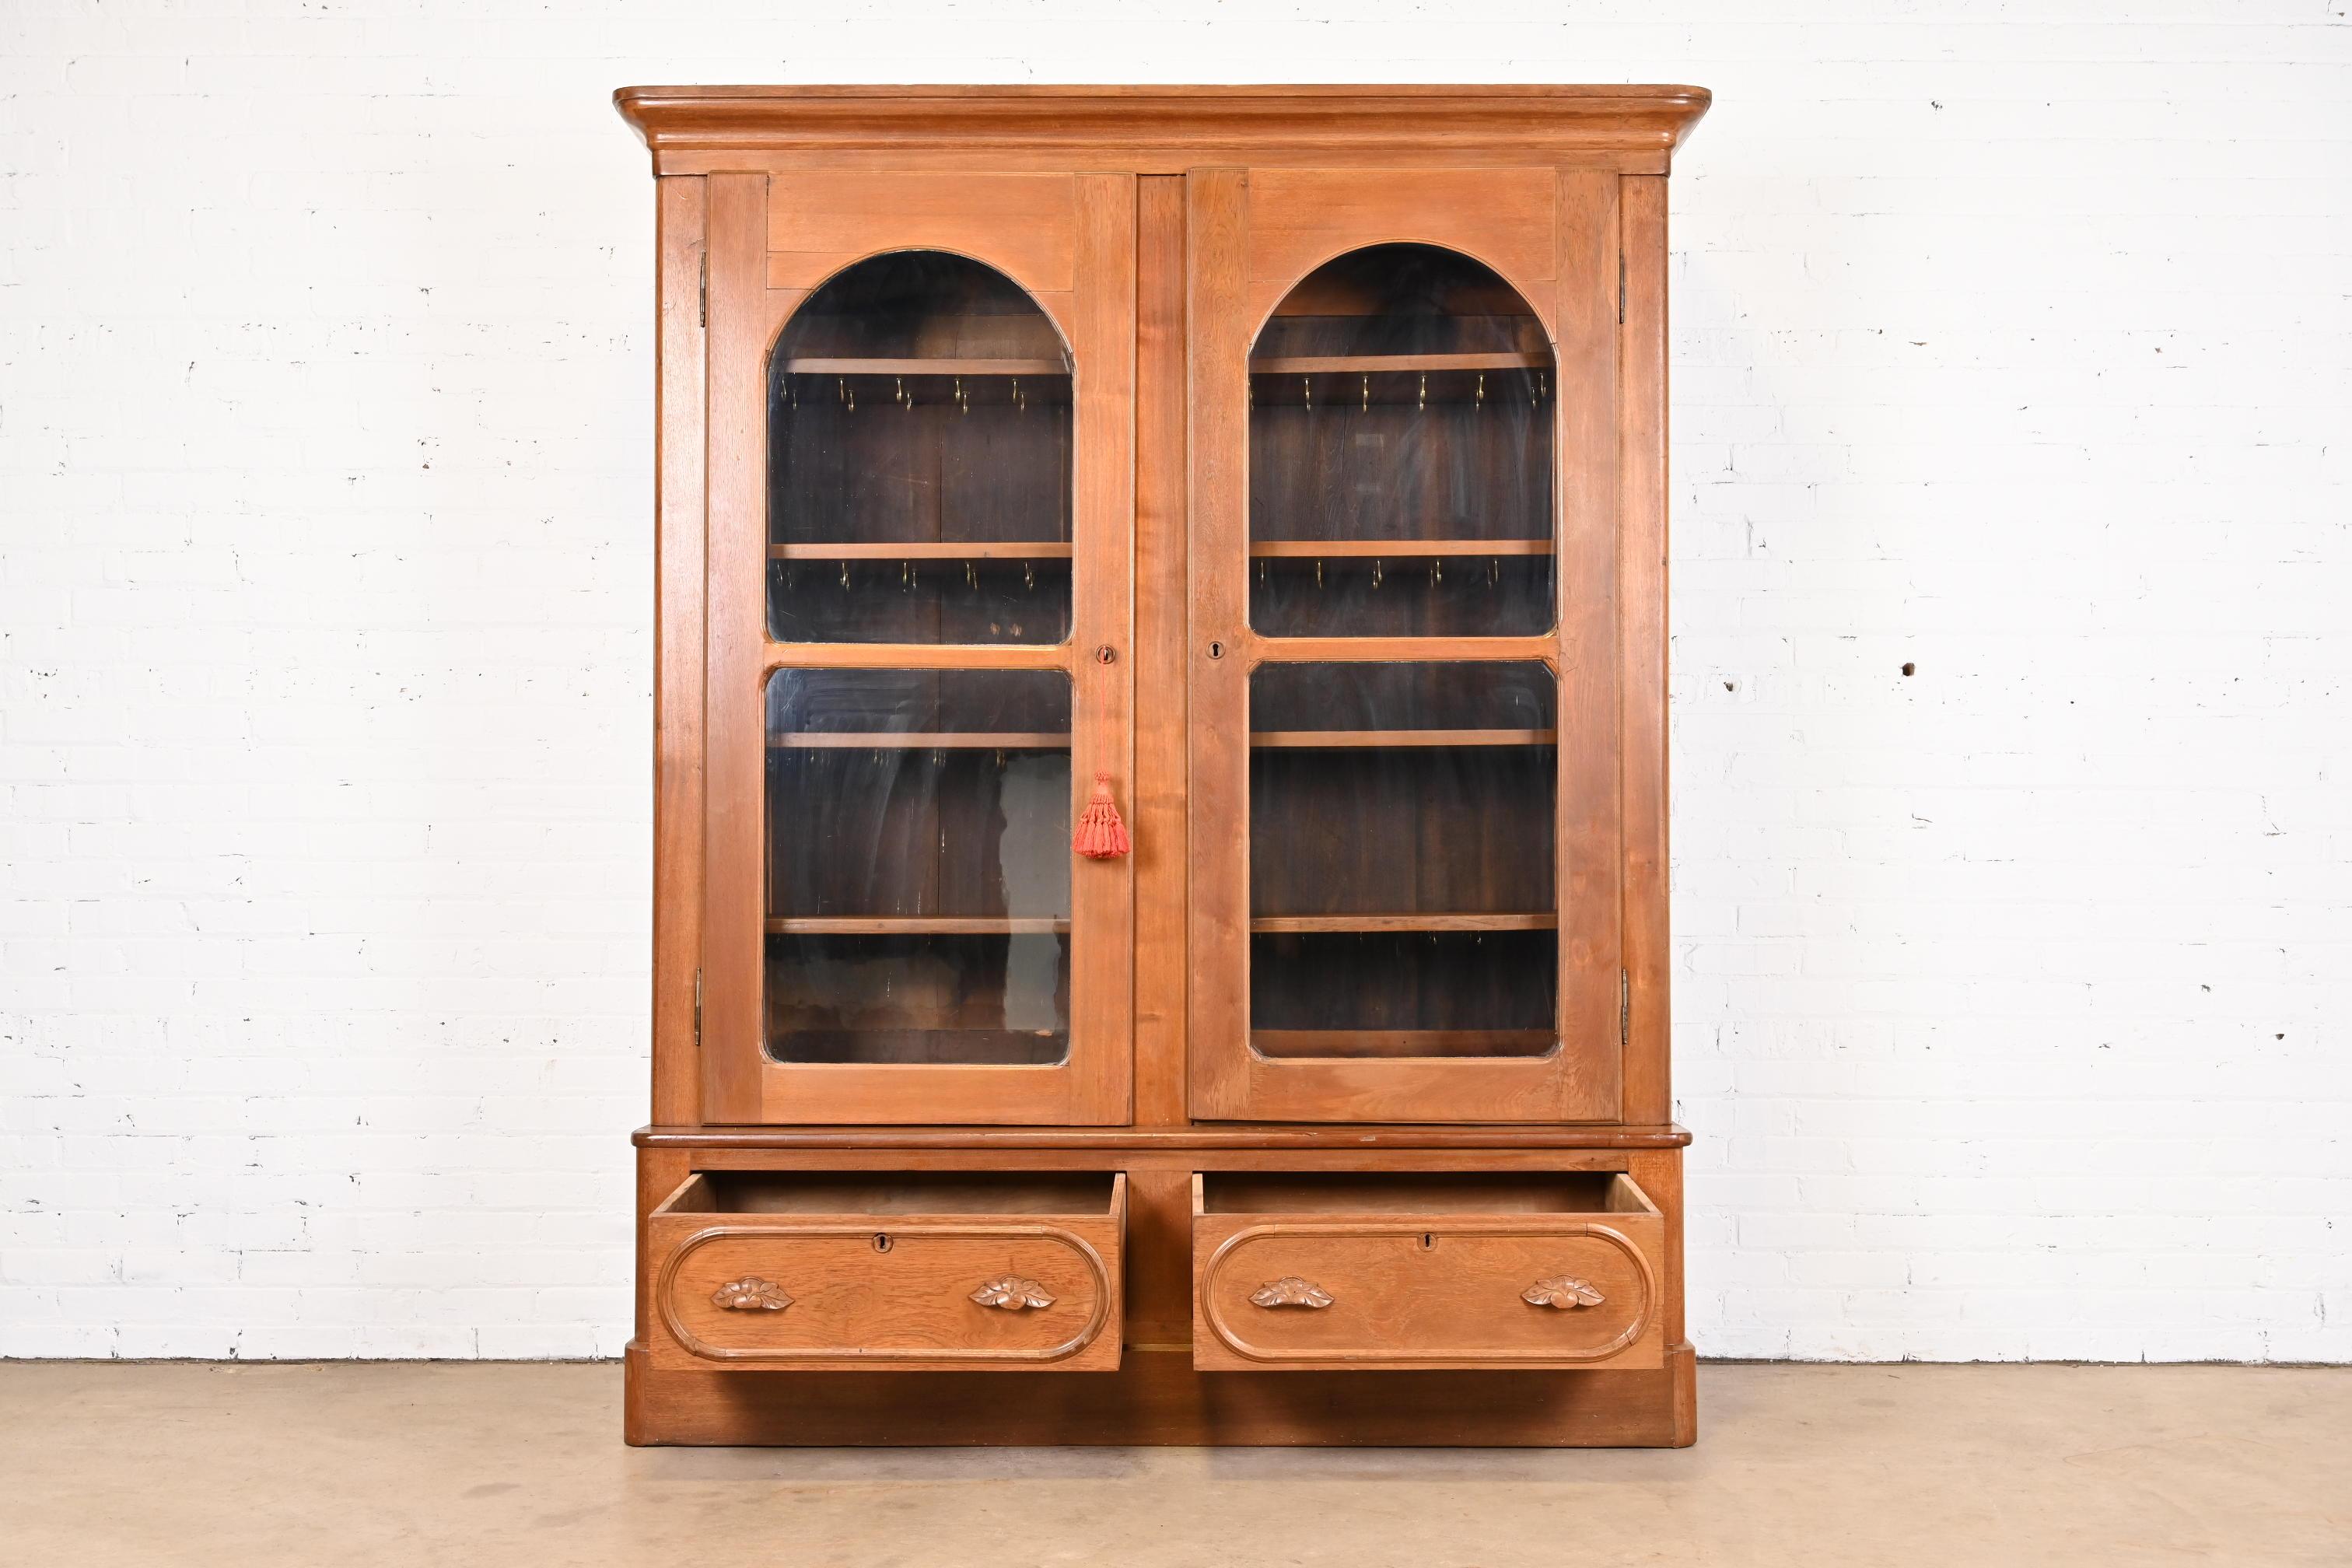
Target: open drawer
928,1272
1340,1271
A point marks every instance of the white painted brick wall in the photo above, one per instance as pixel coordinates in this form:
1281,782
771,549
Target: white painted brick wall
2010,340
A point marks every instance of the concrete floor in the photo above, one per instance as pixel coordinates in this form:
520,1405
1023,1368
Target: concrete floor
1989,1467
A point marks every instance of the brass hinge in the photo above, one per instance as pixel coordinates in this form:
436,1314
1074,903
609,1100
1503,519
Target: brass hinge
702,294
1624,1009
697,1009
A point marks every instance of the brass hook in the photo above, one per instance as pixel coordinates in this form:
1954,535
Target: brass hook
1423,407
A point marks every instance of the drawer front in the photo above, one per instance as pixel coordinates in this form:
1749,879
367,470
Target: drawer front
1512,1291
886,1291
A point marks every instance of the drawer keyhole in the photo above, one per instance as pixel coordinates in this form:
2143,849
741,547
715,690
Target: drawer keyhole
881,1243
1428,1242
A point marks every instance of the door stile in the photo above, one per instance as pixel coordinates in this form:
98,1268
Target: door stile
1100,1069
1219,328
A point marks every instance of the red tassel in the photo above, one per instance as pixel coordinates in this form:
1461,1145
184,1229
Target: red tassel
1101,835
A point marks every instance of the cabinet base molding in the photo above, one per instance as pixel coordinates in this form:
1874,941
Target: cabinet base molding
1157,1399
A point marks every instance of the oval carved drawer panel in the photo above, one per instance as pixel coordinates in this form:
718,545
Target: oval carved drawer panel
1482,1274
958,1273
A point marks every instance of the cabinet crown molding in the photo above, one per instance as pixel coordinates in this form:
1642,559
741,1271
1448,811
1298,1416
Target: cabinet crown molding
700,129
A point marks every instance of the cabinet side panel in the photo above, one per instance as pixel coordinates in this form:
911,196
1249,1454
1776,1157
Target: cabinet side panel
1590,844
1160,583
659,1171
1660,1173
1642,469
677,643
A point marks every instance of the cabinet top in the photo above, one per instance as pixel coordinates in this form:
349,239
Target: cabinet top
1161,130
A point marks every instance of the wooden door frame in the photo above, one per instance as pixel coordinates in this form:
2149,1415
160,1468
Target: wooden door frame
752,287
1573,284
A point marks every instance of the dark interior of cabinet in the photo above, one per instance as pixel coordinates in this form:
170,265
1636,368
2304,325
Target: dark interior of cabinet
1402,397
1404,994
918,867
919,461
1401,850
860,1193
1000,1000
1385,788
1418,1193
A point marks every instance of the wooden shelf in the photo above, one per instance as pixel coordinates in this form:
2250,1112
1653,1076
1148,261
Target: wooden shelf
1371,364
928,550
1394,1043
1392,549
921,740
821,367
1343,740
1546,919
918,925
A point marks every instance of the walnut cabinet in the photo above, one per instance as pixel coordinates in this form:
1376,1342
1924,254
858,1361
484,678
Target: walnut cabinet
1161,769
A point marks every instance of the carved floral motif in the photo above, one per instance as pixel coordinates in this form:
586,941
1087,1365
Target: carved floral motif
751,1294
1290,1291
1563,1292
1013,1293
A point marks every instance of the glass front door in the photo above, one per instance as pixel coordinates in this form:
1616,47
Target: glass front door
931,548
1402,942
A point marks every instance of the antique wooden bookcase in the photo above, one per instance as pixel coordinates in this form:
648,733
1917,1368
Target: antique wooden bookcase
1287,466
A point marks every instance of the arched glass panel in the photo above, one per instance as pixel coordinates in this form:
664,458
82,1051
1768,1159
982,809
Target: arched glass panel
918,461
1400,453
